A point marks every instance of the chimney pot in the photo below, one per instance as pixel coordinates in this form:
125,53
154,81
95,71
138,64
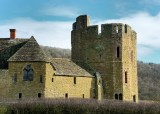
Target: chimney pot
12,33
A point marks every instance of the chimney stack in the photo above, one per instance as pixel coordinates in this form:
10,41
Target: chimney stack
12,33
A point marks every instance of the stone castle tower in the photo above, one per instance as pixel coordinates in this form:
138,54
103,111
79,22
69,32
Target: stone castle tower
112,53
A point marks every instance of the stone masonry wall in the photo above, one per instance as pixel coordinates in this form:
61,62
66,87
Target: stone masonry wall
28,89
59,86
3,84
98,52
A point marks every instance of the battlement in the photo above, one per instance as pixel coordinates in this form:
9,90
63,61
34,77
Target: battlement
82,24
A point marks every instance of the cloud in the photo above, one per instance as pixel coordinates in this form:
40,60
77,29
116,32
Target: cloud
146,27
48,33
58,33
61,11
151,2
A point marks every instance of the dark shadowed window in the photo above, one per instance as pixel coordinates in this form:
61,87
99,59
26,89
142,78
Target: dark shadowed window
52,79
120,96
125,28
126,77
20,95
41,79
39,95
118,52
66,95
134,98
83,96
28,73
75,81
116,96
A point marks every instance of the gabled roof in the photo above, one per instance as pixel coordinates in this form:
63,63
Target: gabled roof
65,67
31,51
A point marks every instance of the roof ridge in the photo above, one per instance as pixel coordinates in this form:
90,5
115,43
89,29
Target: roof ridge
31,51
69,68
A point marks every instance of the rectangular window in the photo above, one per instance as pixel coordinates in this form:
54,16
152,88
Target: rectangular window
14,78
120,96
116,29
66,95
118,52
126,77
132,56
39,95
75,81
125,28
20,95
116,96
83,96
134,98
41,79
52,79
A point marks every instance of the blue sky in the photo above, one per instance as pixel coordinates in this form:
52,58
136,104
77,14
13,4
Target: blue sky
50,21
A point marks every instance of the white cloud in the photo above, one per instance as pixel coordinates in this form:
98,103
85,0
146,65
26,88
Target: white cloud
146,26
58,34
55,34
151,2
62,11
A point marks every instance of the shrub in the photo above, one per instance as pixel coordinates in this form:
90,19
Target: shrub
82,106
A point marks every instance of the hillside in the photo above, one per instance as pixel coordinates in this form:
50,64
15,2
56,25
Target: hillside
149,81
148,74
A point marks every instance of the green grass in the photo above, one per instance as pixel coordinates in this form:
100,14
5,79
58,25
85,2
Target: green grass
80,106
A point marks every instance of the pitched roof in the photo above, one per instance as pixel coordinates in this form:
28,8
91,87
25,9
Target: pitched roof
7,42
68,68
9,47
31,51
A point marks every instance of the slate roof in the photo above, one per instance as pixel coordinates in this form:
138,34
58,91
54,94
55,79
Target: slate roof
7,42
31,51
65,67
8,47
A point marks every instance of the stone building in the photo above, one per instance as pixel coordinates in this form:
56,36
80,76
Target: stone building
103,65
112,53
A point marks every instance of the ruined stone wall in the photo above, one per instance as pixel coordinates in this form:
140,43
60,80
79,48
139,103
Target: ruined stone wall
28,89
59,86
98,52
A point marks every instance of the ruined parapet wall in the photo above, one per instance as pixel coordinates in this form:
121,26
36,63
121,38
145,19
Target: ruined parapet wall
107,52
3,84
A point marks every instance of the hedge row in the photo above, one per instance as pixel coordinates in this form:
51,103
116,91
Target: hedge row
77,106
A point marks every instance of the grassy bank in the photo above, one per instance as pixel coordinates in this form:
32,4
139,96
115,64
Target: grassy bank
77,106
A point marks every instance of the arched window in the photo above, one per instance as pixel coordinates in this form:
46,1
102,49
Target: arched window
120,96
28,73
116,96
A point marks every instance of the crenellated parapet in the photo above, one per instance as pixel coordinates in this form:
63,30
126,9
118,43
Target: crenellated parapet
82,25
